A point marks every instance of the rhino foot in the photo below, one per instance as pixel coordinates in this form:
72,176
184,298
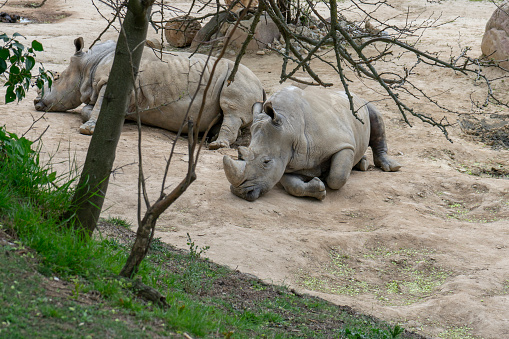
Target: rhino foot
86,112
386,163
88,127
219,144
316,188
297,186
363,164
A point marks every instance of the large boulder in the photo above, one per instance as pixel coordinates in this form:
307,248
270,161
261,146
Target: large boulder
180,31
210,30
495,42
265,33
242,4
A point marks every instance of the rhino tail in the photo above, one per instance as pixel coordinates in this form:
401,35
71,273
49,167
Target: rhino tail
378,141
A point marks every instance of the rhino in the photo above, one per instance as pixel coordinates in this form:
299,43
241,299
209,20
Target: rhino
165,90
303,137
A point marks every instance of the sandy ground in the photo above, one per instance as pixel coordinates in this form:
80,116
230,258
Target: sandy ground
426,247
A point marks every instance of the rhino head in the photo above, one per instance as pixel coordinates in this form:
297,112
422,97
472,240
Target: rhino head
261,165
64,94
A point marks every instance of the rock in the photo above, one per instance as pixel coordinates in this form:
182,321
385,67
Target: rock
180,31
9,18
265,33
371,29
495,42
241,5
260,53
211,30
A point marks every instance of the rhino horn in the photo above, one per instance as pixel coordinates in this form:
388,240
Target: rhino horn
234,170
245,153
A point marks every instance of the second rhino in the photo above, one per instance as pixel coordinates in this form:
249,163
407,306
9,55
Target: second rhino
302,138
165,90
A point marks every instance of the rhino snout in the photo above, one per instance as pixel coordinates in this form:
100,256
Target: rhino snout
39,104
249,194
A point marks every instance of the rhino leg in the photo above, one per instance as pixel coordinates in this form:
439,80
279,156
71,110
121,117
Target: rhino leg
363,164
228,132
297,186
92,114
86,112
340,168
378,142
236,101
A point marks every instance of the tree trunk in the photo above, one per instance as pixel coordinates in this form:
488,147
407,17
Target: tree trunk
91,190
147,226
141,245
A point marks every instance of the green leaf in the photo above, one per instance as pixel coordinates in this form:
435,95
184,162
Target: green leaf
45,77
52,176
14,69
18,46
28,81
9,95
4,53
39,83
29,63
17,34
3,65
20,93
37,46
4,37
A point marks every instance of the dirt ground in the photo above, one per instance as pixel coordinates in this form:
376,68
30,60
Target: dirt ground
426,247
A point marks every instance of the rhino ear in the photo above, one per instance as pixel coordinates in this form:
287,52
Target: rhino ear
257,108
245,154
79,43
269,110
257,111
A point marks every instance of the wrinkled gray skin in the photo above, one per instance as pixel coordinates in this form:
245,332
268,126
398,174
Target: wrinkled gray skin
299,137
165,90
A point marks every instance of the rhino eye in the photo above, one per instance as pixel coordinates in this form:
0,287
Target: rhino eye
266,162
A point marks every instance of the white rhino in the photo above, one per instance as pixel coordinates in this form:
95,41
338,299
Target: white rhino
299,137
165,90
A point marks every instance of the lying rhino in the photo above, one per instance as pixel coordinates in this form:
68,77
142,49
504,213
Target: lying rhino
299,137
165,90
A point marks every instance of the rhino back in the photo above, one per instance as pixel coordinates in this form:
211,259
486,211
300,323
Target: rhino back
324,125
167,88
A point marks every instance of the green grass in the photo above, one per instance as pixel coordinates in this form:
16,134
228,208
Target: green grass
91,300
404,275
25,308
118,222
457,333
